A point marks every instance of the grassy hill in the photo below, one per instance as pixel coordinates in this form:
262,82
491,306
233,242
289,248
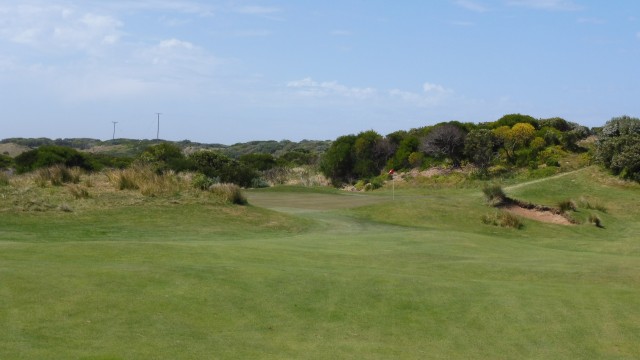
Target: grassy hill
323,274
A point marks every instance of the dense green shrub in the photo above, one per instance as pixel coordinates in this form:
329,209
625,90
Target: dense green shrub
258,161
216,165
203,182
6,162
618,147
51,155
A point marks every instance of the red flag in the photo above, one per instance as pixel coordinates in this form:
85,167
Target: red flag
391,172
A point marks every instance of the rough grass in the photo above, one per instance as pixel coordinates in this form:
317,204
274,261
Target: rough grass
337,276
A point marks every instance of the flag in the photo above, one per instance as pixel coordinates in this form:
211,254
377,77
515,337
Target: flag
391,172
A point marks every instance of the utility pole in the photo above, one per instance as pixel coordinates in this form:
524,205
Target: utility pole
114,129
158,132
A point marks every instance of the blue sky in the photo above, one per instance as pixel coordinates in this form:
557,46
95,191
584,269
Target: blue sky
232,71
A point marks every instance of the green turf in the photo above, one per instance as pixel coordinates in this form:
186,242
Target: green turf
329,275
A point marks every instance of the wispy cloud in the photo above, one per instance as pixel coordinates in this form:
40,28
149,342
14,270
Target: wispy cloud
309,87
550,5
472,6
257,10
266,12
55,26
179,6
431,95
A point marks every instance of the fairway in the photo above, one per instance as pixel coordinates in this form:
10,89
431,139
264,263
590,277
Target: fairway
322,274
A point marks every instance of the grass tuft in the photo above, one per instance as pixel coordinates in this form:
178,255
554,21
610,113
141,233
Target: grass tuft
229,193
78,192
595,220
502,219
494,194
567,205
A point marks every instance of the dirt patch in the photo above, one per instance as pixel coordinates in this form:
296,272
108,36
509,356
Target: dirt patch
537,215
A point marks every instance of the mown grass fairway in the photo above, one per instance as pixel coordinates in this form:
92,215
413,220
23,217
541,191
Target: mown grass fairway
327,276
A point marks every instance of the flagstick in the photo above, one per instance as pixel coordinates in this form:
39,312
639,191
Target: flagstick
393,186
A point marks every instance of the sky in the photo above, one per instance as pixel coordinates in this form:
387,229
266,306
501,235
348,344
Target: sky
232,71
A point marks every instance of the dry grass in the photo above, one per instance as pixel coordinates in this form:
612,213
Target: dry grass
229,193
108,189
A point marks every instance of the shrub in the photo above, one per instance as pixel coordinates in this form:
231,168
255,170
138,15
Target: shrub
47,156
494,194
229,193
203,182
259,183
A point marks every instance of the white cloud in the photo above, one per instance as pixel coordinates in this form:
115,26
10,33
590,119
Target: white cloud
267,12
54,27
311,88
472,6
552,5
431,95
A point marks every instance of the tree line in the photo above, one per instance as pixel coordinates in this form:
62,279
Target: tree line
513,141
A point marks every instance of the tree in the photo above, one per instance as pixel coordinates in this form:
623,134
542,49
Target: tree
400,159
511,119
479,147
514,138
337,163
618,147
446,140
366,163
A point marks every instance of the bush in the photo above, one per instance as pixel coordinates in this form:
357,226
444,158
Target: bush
6,162
494,194
203,182
48,156
229,193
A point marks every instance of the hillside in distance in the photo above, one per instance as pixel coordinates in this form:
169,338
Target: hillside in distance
133,147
